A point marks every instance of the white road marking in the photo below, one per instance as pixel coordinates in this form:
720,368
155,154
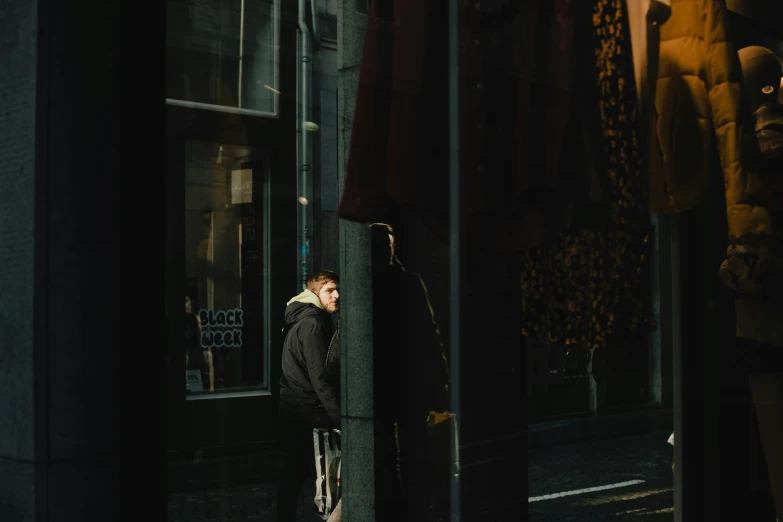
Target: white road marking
587,490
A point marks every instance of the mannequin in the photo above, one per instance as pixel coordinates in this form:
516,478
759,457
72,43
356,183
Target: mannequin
757,275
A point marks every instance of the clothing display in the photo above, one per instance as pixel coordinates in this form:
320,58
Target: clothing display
759,312
756,274
571,295
643,17
544,142
698,96
588,285
401,115
524,125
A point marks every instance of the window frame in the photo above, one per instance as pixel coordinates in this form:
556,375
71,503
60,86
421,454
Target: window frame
265,388
275,113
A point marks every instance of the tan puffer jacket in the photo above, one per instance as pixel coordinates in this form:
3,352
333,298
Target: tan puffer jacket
698,96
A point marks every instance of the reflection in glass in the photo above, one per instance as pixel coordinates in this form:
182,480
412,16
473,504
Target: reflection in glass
223,54
225,230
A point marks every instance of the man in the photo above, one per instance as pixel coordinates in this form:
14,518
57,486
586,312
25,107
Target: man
309,391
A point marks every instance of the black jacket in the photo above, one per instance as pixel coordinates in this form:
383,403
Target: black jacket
307,384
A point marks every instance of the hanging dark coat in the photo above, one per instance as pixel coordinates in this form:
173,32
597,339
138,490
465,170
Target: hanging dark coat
520,115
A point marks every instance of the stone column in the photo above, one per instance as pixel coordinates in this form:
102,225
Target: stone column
20,392
356,329
68,156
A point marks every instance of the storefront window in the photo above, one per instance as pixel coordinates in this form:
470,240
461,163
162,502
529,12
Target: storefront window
522,331
223,55
226,230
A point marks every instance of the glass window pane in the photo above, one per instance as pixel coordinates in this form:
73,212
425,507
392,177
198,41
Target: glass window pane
225,231
578,340
223,53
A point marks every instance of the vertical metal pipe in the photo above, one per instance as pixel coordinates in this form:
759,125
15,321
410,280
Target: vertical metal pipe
304,167
316,32
241,48
455,237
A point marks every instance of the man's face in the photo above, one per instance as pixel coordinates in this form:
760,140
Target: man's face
330,297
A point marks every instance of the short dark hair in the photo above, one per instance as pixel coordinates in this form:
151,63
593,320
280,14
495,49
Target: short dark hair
317,280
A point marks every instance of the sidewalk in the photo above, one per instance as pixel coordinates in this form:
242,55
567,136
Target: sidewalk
214,473
619,479
266,466
237,504
615,467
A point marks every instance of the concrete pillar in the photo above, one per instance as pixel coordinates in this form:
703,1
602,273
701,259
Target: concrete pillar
59,315
356,329
20,449
67,259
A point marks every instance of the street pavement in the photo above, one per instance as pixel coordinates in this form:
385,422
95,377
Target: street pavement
624,478
639,464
